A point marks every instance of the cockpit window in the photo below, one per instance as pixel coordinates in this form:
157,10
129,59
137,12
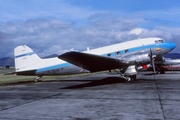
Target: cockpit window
159,41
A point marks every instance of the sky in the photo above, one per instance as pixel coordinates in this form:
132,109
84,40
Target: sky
58,26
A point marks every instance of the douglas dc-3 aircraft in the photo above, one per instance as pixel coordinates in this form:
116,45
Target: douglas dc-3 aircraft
125,58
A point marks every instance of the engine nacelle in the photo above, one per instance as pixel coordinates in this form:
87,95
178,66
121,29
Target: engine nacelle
139,58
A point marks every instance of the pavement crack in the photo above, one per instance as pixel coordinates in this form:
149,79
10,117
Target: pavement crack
160,101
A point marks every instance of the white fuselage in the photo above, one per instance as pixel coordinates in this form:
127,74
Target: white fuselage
26,59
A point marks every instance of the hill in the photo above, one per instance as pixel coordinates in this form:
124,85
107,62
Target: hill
6,61
173,55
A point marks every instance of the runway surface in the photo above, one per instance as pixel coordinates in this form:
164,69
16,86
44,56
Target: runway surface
94,97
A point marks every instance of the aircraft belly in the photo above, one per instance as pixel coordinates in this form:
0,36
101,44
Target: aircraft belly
63,71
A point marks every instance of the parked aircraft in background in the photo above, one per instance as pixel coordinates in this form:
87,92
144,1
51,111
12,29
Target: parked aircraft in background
124,58
166,64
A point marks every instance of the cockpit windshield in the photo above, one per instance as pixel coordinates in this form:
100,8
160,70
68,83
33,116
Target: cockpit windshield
159,41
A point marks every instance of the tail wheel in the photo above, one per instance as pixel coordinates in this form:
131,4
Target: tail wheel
37,78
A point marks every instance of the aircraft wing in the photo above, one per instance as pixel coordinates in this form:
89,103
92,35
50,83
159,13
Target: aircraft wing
92,62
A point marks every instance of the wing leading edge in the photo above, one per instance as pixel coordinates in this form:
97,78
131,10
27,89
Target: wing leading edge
91,62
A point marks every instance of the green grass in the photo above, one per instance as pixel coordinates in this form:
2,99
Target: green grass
13,79
6,79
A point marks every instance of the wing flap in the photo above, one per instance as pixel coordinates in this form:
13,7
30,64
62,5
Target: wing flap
91,62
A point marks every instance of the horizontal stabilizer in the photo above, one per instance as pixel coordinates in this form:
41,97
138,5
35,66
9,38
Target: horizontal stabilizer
10,73
28,72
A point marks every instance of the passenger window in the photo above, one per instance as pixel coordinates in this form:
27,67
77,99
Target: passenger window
126,51
161,41
109,54
118,53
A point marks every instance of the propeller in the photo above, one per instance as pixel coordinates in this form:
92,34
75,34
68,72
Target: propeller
152,58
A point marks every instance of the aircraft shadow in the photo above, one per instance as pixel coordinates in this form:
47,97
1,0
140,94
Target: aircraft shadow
150,74
92,83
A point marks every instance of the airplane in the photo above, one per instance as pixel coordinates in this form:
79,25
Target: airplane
124,58
166,64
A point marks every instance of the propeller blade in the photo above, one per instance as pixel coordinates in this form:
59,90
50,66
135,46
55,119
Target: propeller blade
152,61
154,68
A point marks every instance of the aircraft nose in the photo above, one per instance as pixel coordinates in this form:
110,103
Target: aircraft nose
172,45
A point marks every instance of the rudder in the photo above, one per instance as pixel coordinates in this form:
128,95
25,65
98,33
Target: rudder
25,58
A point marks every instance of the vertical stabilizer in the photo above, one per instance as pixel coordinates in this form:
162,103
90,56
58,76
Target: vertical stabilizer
25,58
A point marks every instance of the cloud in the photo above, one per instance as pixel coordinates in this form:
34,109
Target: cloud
54,36
136,31
61,9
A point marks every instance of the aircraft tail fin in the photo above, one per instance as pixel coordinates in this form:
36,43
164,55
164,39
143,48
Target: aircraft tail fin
25,58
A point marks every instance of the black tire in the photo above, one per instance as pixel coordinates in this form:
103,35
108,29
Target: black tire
131,79
162,72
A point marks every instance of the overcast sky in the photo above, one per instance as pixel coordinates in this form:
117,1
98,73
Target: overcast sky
56,26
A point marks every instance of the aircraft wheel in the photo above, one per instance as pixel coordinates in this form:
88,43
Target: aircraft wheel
162,72
130,79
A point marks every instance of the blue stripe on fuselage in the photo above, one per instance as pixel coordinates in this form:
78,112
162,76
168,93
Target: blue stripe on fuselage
53,67
26,54
113,54
130,50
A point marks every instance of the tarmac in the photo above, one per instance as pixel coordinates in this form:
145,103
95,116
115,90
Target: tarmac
94,97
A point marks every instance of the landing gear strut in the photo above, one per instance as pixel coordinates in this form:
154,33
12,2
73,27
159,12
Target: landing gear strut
128,79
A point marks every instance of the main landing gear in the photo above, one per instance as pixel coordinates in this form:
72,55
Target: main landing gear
129,79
